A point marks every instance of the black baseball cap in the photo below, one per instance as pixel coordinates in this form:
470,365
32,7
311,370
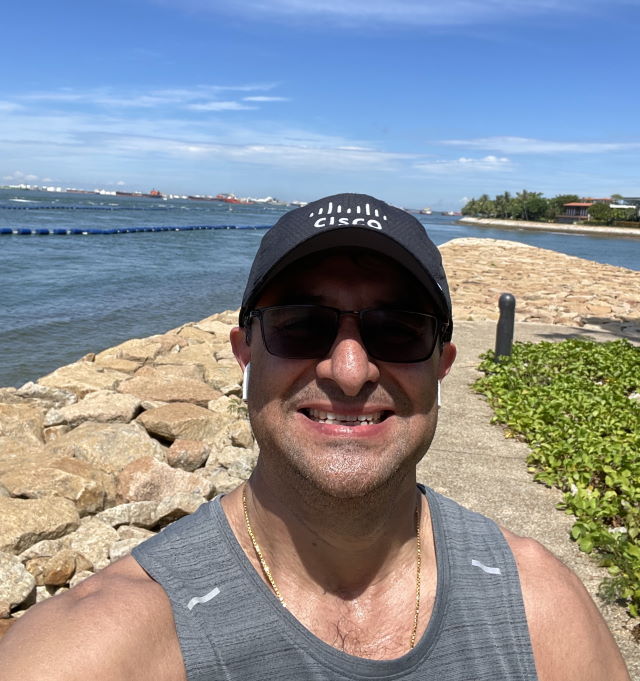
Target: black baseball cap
347,220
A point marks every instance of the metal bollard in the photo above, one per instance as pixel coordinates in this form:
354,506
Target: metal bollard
504,331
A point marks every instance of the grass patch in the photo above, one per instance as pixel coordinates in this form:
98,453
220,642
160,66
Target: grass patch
576,404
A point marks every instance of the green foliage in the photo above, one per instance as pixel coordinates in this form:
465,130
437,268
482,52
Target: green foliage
526,205
576,404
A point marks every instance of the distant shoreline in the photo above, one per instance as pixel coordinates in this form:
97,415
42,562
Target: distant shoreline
553,227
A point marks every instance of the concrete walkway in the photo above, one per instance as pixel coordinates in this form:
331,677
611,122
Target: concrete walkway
472,462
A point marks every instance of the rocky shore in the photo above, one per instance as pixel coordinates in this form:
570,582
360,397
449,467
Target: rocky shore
600,230
102,453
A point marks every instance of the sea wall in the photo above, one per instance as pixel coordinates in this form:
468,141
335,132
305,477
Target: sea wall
102,453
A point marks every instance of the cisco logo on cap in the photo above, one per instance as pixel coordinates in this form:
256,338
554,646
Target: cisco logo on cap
358,216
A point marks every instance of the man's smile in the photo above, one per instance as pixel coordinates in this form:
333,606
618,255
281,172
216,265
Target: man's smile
345,419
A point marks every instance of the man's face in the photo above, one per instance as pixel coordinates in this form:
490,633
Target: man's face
384,414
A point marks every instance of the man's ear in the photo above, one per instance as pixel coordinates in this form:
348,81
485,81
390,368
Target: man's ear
241,349
447,357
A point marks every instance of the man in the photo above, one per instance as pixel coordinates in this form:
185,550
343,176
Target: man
330,563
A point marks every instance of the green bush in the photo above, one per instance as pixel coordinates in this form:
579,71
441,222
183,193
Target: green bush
576,404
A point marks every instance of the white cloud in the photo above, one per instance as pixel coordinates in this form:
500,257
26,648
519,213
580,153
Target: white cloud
466,165
399,12
9,106
220,106
19,176
265,99
526,145
198,98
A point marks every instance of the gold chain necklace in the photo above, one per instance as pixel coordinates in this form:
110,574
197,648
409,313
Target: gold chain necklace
267,570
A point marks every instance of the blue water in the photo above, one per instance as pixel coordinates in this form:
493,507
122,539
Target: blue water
64,296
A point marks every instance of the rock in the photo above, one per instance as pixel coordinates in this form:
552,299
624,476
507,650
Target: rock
52,433
132,532
23,522
151,383
15,452
102,406
177,506
16,583
59,569
93,539
142,349
139,513
186,454
50,397
222,480
83,469
5,612
123,548
23,422
215,326
197,355
107,446
42,549
81,378
183,421
35,482
79,577
4,492
126,366
147,479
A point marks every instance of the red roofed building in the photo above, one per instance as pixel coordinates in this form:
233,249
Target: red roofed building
577,211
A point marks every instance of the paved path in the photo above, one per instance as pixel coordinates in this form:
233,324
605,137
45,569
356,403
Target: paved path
471,461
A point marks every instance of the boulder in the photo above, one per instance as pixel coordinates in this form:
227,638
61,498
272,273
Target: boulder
93,539
23,522
197,355
147,479
22,422
132,532
152,514
123,548
49,397
80,576
222,480
142,349
35,482
125,366
16,583
186,454
183,421
138,513
151,383
16,452
106,481
82,378
59,569
107,446
52,433
102,406
42,549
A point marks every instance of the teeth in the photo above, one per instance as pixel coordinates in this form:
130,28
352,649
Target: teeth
348,419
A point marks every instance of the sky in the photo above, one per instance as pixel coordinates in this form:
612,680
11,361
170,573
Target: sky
419,102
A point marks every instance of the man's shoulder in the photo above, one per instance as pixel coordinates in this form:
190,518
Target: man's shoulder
116,625
569,635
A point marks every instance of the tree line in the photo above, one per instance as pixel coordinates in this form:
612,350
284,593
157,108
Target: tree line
534,206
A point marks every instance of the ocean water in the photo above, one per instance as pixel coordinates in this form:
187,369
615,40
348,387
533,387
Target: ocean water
64,296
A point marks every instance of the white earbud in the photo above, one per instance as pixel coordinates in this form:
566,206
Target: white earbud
245,382
439,396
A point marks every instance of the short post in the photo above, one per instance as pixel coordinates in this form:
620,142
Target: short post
504,331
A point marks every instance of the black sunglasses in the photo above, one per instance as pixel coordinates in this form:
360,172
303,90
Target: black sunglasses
309,332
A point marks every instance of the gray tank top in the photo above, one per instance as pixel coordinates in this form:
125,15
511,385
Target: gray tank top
231,626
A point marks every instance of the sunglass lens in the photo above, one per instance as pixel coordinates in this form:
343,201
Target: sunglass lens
299,331
398,336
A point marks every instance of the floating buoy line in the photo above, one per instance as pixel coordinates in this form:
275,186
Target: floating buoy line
64,231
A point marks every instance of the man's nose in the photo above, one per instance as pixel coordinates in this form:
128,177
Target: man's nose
348,364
